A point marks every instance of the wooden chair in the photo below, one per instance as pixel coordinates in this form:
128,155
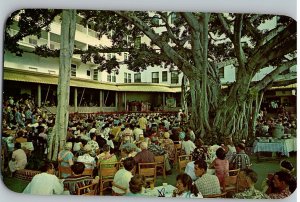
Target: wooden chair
90,189
178,150
107,172
88,171
222,195
63,169
231,183
149,171
160,163
183,160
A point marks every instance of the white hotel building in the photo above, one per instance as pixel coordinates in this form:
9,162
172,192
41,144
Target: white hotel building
95,91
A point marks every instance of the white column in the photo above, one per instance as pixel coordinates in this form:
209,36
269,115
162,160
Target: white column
101,100
39,95
116,101
49,40
164,100
75,100
125,101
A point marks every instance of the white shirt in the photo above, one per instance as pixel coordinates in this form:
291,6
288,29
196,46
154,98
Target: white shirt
77,146
110,143
44,184
190,170
88,160
122,178
188,147
137,132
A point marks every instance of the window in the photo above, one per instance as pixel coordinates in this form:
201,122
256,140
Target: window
155,77
129,78
32,41
164,77
125,56
95,75
52,46
113,77
221,72
137,78
108,77
108,56
125,77
73,70
88,72
174,77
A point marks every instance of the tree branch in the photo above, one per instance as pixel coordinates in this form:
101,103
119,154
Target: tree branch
272,75
169,51
263,50
238,24
225,26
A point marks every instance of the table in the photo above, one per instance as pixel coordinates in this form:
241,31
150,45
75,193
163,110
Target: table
283,146
155,192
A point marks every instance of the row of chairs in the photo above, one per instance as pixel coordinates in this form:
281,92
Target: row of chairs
231,182
108,170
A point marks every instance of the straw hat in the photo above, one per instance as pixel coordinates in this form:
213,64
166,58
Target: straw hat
68,146
167,135
87,148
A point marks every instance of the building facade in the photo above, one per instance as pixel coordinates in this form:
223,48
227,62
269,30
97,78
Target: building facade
91,90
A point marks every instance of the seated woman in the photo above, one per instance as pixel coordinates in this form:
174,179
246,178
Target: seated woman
281,181
86,158
246,180
221,166
200,151
65,157
229,148
136,186
185,187
106,156
77,180
168,145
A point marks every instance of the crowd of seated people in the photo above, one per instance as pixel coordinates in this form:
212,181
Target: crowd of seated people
94,139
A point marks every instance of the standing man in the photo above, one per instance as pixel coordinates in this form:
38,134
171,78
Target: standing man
143,123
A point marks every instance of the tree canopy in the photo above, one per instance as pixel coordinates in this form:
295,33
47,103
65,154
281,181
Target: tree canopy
198,44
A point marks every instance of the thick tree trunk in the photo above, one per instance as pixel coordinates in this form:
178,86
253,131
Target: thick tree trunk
257,98
58,136
233,115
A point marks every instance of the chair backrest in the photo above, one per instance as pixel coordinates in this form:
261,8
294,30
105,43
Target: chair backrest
148,170
108,170
183,160
159,159
231,180
222,195
90,189
64,169
88,171
178,147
